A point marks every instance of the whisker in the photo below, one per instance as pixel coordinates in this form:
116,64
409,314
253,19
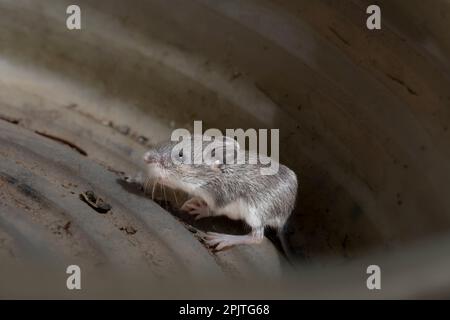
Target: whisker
147,181
153,189
164,192
175,196
160,188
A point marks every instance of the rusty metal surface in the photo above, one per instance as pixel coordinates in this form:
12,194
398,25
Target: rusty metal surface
41,211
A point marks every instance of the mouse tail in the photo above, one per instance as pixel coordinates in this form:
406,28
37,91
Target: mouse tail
287,250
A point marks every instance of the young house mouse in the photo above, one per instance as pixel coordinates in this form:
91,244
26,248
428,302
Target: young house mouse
218,186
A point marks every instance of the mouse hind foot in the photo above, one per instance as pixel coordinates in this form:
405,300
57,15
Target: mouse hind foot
220,241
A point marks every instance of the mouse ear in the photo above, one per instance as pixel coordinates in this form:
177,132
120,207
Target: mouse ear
222,150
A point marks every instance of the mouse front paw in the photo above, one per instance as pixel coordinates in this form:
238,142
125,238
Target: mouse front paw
136,179
197,207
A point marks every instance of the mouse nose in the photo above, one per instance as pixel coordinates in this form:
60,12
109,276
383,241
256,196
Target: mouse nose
150,157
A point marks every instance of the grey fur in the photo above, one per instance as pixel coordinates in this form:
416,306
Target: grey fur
273,196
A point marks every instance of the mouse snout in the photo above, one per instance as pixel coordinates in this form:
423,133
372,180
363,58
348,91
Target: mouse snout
151,157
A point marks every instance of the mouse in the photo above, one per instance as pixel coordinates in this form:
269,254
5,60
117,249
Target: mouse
217,186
